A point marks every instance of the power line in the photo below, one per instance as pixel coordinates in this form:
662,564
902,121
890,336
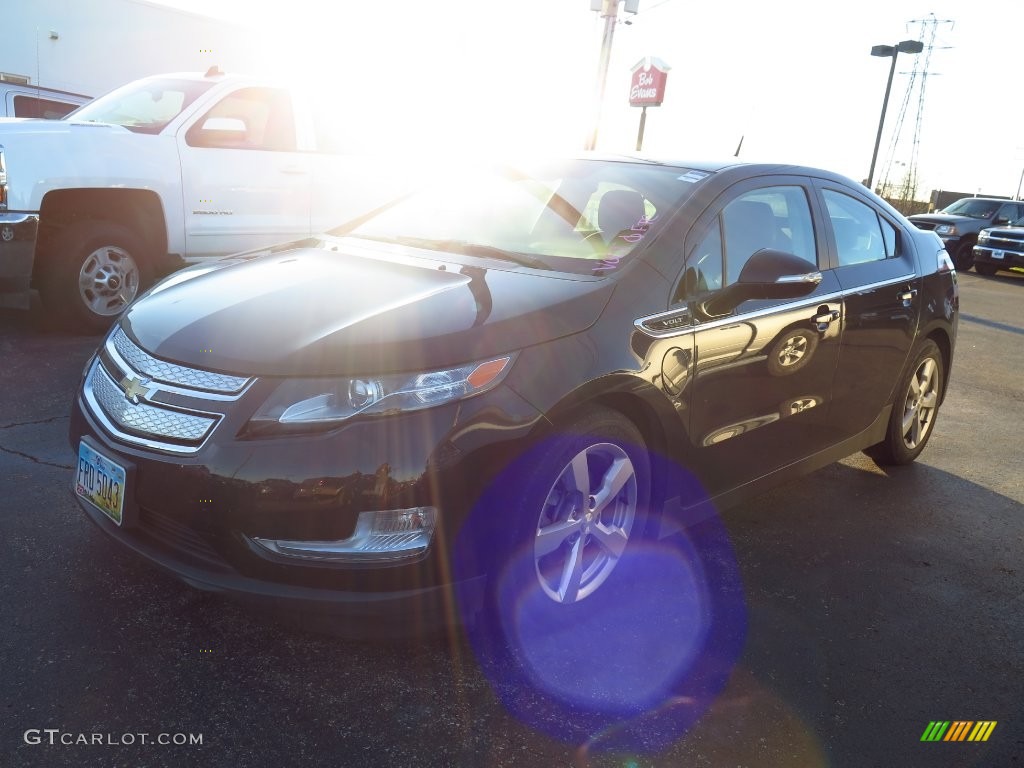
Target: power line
906,188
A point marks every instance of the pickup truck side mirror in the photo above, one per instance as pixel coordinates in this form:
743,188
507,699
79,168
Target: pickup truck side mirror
768,274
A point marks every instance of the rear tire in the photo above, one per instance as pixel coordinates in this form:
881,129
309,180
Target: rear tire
914,410
90,272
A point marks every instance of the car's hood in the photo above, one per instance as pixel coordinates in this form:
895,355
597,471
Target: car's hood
1016,233
312,311
21,125
944,218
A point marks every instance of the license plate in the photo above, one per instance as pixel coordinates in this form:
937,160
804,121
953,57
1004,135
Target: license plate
997,254
100,481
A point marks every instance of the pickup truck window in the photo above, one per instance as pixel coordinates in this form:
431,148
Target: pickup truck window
249,118
145,106
30,106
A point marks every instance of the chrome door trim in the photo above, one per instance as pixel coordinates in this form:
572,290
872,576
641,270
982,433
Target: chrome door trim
731,319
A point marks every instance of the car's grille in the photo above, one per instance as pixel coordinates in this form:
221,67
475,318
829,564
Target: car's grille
145,419
1006,242
179,537
171,373
145,401
929,225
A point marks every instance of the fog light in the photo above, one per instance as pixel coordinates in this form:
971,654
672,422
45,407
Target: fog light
380,537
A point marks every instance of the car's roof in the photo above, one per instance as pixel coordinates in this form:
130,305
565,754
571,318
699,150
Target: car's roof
728,164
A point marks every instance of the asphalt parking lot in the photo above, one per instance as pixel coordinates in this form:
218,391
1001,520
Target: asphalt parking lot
875,602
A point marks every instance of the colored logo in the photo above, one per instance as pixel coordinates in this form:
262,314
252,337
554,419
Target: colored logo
958,730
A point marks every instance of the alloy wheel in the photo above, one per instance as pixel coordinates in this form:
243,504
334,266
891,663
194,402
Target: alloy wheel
585,522
920,405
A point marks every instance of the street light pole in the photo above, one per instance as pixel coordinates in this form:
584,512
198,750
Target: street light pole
610,11
907,46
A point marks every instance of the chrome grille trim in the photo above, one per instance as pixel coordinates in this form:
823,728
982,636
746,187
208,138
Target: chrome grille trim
108,404
172,373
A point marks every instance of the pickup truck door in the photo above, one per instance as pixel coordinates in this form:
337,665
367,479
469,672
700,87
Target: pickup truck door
244,184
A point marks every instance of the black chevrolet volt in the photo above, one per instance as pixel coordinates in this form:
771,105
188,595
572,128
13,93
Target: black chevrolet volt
373,422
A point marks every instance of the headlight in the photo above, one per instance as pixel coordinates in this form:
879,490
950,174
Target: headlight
324,403
945,229
983,236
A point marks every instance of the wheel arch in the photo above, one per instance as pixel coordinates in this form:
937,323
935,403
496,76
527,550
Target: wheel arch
641,403
139,210
942,340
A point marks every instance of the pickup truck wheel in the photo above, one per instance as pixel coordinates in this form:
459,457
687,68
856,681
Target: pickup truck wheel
93,270
986,269
964,257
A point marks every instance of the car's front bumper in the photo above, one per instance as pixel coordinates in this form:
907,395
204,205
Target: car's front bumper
197,516
1009,260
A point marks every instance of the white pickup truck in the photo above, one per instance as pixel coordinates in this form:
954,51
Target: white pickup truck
163,171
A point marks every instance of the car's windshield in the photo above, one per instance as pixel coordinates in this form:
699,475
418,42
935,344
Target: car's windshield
575,215
145,106
973,207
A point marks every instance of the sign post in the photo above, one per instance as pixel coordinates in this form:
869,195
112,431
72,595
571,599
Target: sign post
647,89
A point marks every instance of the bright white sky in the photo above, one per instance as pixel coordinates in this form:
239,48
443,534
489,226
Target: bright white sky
794,77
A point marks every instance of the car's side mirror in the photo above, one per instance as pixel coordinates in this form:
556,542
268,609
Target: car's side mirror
768,274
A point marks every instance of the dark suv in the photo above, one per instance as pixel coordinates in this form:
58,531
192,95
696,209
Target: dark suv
958,225
1000,248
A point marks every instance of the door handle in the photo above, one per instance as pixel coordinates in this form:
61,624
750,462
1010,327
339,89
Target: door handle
908,296
827,317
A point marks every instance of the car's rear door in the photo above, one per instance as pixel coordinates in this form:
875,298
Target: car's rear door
877,268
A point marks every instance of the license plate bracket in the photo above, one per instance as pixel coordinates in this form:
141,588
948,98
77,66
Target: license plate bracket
997,254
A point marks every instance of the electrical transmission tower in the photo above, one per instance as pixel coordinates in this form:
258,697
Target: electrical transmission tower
904,189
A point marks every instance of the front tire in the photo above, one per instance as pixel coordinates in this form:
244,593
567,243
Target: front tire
986,269
964,257
914,411
583,503
560,519
92,270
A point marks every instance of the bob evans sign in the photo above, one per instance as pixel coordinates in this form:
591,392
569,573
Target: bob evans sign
647,88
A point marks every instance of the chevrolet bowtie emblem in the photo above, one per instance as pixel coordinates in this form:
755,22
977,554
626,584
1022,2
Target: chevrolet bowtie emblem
133,388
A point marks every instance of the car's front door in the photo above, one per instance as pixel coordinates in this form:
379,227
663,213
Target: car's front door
763,374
